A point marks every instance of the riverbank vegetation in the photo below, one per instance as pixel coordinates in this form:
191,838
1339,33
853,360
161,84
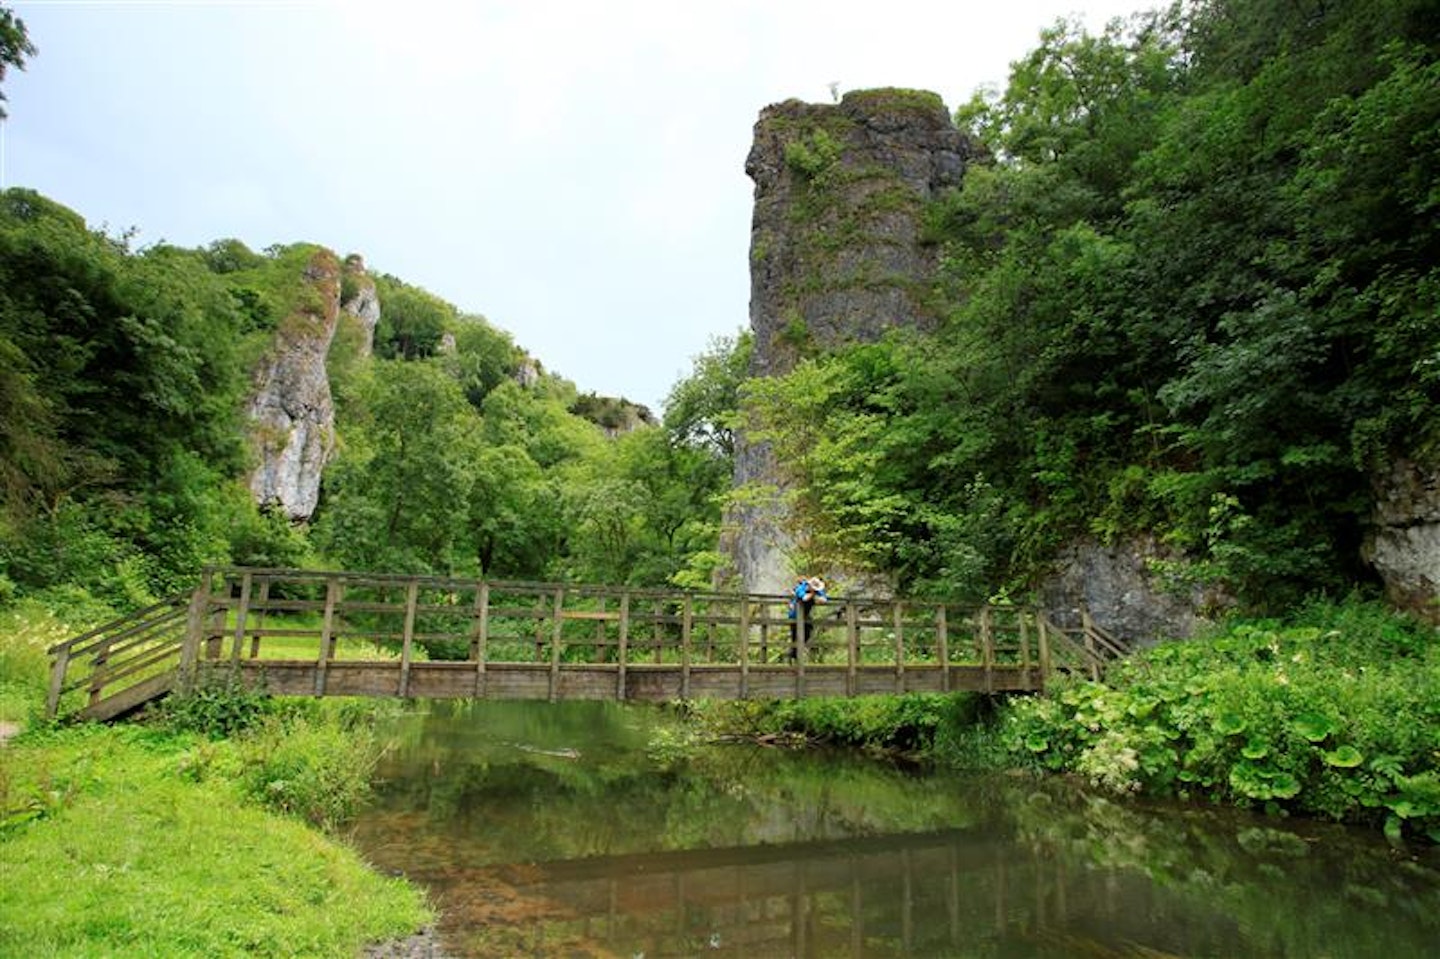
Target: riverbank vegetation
1333,713
204,829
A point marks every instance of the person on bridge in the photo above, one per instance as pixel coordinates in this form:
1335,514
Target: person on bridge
807,593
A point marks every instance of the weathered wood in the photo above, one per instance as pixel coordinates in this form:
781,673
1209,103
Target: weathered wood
407,638
57,682
744,647
942,647
128,652
622,650
1088,626
852,646
686,626
327,634
194,632
260,612
899,621
1024,643
130,698
480,638
555,636
241,614
987,645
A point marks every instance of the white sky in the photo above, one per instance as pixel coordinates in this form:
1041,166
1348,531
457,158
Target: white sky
572,171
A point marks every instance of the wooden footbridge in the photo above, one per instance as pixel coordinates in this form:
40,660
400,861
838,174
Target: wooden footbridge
305,633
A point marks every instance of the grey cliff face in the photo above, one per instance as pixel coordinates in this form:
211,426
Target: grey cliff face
837,256
361,303
1117,584
1404,544
292,414
837,252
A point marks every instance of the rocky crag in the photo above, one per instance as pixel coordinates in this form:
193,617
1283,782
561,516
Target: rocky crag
1404,543
359,302
291,409
837,255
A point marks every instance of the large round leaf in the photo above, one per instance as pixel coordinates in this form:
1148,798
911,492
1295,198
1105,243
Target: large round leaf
1228,724
1346,757
1284,786
1314,726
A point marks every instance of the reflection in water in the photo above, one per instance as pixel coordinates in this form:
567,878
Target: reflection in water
546,830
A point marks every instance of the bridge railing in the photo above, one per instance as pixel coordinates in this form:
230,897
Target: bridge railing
133,657
325,619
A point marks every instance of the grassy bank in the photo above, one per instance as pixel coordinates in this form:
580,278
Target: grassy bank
199,832
1334,713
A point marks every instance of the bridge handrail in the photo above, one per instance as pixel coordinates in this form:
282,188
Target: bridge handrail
117,650
557,623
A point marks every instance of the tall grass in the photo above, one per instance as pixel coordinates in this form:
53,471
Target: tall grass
129,853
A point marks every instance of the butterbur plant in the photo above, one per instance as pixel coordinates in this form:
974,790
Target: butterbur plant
1287,720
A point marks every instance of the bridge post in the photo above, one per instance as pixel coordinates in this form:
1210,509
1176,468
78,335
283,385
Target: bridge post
57,681
327,634
687,623
898,617
194,634
242,613
1024,648
744,628
555,634
987,647
407,638
260,618
852,646
1043,639
801,649
622,647
1088,625
942,645
480,639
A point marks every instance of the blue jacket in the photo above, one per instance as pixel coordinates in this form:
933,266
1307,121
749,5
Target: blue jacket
803,593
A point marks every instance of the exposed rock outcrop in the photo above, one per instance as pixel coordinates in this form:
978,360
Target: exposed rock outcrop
1121,588
1404,543
837,256
292,410
360,301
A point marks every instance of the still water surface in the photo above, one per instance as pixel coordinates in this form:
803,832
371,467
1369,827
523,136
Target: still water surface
582,829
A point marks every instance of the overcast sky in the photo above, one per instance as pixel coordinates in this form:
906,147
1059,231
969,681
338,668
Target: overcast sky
572,171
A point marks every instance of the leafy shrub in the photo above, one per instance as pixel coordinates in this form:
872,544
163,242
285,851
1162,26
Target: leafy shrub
219,705
1342,721
315,769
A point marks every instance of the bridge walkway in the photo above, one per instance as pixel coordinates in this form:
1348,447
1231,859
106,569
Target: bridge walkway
309,633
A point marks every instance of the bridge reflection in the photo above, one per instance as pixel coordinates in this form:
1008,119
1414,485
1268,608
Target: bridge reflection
947,893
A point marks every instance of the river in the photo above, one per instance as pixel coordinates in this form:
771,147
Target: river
594,829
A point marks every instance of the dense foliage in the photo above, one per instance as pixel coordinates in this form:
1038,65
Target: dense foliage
1336,713
1194,296
125,452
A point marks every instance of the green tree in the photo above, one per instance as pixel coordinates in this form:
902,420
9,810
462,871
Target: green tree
15,46
412,321
395,499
